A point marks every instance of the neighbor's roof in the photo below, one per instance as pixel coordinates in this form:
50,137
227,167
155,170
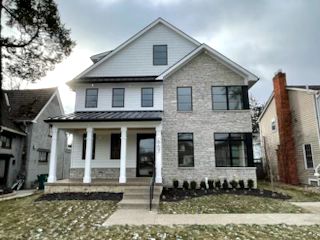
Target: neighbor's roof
26,104
108,116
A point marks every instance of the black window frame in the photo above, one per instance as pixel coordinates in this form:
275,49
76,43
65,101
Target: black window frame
153,55
244,97
179,152
86,101
246,138
115,137
191,103
8,139
123,99
84,146
142,100
46,152
306,157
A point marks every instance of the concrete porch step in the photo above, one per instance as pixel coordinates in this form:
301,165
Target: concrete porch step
138,204
140,196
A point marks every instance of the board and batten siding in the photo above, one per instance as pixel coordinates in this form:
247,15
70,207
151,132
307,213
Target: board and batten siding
132,94
136,59
304,120
103,148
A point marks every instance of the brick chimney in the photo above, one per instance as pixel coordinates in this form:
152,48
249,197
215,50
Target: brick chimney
287,162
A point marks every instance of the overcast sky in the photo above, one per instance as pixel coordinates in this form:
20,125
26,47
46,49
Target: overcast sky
262,36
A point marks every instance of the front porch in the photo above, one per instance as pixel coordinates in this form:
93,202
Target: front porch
108,156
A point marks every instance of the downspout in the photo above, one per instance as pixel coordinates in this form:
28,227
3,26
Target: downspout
317,109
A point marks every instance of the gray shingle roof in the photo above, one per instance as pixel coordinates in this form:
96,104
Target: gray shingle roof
108,116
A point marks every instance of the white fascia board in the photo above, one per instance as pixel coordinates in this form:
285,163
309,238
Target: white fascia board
133,38
302,90
55,94
12,130
214,54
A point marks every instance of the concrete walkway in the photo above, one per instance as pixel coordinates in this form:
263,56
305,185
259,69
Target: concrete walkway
143,217
18,194
312,207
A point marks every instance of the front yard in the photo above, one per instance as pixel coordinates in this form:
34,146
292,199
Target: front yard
81,219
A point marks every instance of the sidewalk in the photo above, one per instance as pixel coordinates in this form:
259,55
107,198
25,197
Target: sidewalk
19,194
143,217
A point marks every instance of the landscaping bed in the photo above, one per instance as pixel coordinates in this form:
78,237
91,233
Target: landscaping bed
179,194
81,196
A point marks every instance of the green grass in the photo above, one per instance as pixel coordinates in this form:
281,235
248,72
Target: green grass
25,219
298,194
226,203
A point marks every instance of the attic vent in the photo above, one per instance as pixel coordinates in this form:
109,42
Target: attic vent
7,99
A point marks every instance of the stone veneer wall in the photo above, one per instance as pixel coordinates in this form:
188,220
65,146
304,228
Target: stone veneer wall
201,73
107,173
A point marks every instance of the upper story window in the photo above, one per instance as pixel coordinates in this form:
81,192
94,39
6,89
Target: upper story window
91,97
185,150
308,159
118,97
160,55
184,99
273,125
5,141
230,98
146,97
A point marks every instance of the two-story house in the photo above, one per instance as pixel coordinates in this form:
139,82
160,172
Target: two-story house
159,99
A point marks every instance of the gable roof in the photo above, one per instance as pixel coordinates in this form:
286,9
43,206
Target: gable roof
133,38
250,77
25,105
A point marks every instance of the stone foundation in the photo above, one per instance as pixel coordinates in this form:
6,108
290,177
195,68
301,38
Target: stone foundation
103,173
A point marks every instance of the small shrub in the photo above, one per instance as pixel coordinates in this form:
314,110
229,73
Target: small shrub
234,184
218,184
203,185
211,184
225,184
193,185
241,184
250,183
185,185
175,183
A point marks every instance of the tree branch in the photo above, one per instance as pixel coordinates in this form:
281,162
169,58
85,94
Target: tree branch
20,45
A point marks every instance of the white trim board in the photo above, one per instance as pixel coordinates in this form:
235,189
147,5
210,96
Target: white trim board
136,36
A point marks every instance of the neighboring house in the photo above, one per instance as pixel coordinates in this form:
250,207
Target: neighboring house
25,138
159,98
289,129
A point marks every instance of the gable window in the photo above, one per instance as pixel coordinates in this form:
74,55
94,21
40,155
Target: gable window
273,125
115,146
91,97
146,97
84,145
308,159
43,155
184,99
185,150
230,97
5,141
233,149
160,55
117,97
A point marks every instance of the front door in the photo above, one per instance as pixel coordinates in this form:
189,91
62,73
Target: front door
3,171
145,154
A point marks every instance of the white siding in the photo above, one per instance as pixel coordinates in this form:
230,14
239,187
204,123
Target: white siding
136,59
102,154
132,96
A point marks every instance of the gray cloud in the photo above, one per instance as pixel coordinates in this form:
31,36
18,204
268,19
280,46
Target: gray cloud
263,36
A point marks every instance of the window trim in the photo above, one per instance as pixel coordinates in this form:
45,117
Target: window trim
47,156
111,146
192,149
305,157
124,94
142,95
86,106
248,144
244,97
178,100
153,51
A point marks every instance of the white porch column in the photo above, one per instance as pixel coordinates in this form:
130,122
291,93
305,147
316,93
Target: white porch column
87,166
123,155
158,154
53,156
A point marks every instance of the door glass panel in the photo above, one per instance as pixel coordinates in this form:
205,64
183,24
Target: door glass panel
2,168
146,156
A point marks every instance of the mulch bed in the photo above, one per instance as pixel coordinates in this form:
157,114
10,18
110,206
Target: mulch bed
175,195
81,196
